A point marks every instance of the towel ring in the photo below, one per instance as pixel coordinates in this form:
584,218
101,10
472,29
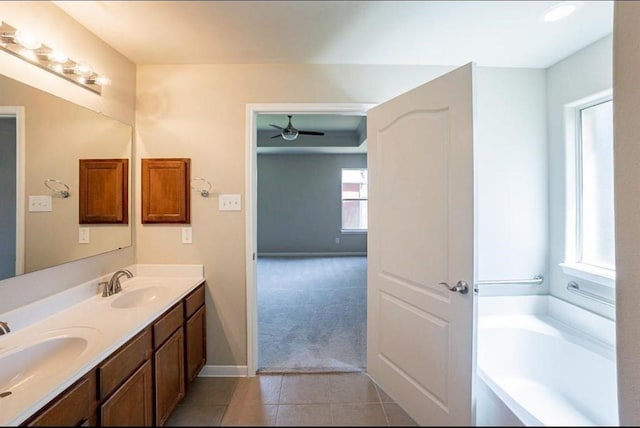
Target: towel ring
64,193
203,192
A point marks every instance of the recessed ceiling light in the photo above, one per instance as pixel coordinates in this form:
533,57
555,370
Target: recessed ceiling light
561,10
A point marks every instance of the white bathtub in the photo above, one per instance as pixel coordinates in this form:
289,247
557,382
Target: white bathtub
536,368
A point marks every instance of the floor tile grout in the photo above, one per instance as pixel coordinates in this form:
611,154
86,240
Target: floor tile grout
252,403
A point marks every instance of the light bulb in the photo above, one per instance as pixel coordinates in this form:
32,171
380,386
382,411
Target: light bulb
27,40
102,80
83,69
58,56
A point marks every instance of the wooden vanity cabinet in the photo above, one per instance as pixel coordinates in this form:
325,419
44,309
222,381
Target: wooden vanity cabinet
76,406
142,382
168,362
195,333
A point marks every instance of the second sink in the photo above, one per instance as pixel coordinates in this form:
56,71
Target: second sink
139,297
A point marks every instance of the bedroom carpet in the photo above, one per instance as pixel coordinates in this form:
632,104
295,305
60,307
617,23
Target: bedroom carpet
312,314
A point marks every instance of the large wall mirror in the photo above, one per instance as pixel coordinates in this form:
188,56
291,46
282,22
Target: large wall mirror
39,223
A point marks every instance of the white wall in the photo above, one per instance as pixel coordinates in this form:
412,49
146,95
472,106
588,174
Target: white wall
580,75
199,111
626,90
511,161
55,27
299,204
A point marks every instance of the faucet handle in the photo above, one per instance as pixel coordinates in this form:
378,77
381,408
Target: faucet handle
105,288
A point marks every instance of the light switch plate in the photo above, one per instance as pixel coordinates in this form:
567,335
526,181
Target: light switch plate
187,235
84,235
40,203
229,202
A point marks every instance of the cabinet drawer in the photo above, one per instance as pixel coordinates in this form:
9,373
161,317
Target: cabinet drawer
166,325
124,362
74,407
193,301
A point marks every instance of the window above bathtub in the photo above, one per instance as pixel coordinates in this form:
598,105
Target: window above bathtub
590,240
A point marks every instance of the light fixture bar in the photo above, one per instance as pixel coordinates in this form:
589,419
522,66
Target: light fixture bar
30,49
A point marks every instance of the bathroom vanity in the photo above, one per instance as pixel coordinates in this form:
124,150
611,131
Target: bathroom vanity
125,359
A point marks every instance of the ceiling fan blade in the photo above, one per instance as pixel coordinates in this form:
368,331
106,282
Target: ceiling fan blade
310,133
275,126
276,136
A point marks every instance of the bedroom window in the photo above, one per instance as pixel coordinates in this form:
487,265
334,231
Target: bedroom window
354,199
592,220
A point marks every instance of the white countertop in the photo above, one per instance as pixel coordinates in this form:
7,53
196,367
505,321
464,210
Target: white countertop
81,312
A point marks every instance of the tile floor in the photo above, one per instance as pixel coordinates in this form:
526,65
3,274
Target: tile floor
338,399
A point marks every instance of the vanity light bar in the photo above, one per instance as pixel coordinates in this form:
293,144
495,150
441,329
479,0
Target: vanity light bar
28,48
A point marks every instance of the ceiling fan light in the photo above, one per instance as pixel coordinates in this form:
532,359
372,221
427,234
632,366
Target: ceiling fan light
289,134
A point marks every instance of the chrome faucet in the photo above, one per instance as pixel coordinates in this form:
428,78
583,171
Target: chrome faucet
4,328
113,286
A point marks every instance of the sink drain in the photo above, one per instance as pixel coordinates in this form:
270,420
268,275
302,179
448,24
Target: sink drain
5,394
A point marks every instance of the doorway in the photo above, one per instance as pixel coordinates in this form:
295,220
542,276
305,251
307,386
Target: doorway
12,148
302,260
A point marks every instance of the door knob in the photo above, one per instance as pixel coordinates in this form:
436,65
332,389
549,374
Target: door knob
461,287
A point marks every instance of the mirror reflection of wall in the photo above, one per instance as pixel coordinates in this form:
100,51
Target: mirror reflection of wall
57,134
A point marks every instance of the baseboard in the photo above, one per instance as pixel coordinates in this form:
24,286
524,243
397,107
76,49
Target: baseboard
303,254
223,371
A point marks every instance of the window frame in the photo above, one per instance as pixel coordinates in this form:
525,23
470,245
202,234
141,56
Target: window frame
342,200
573,264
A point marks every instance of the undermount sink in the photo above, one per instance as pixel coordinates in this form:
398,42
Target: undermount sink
139,297
43,357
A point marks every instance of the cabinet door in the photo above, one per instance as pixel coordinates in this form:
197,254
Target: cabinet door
165,190
169,365
104,191
196,343
132,403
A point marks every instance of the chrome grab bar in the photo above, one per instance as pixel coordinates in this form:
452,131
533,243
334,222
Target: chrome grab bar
537,280
573,287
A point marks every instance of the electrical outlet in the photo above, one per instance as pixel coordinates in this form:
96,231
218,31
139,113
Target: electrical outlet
84,235
40,203
337,240
187,235
229,202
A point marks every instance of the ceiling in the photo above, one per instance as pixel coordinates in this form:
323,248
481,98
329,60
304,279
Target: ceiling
491,33
344,134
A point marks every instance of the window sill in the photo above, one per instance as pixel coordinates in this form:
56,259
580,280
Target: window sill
353,231
594,274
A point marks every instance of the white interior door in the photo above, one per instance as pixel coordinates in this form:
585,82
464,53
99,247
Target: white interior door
421,334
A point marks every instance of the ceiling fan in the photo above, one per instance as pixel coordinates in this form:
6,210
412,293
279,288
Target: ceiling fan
290,133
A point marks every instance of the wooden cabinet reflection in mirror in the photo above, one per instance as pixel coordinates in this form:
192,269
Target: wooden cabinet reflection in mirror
104,191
